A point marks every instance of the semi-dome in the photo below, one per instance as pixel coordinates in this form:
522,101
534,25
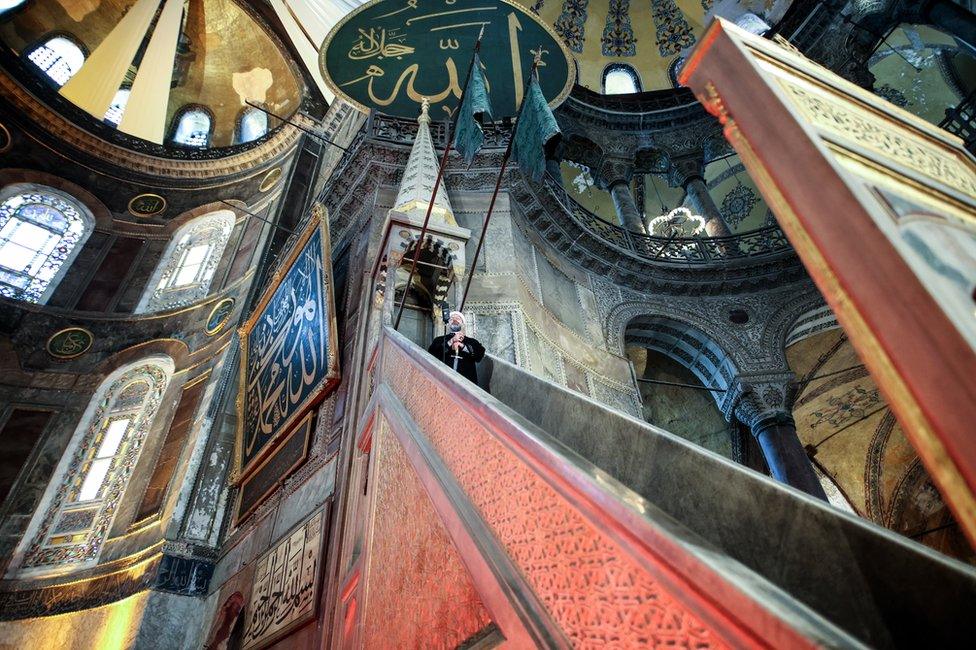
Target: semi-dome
220,55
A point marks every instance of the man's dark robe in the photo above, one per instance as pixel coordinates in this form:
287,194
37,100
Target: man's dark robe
471,352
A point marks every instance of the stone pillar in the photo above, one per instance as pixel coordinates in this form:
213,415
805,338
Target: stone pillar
689,173
614,176
627,212
762,406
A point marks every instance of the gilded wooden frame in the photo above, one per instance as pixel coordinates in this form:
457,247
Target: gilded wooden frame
319,221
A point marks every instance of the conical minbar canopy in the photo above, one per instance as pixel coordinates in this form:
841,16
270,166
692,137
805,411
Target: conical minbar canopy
419,177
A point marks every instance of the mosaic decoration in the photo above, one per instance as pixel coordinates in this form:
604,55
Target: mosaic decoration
286,584
135,395
673,31
537,6
288,348
618,36
187,268
70,343
570,24
738,204
38,233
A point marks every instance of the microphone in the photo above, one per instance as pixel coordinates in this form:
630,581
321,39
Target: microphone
445,312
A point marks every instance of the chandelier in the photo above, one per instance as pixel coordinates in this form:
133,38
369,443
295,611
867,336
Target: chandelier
680,222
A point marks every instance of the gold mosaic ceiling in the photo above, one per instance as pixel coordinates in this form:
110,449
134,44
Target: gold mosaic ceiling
224,54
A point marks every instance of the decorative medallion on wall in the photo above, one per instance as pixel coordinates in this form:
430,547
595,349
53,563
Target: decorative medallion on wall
219,316
5,139
738,204
270,179
389,55
618,36
146,205
70,343
673,31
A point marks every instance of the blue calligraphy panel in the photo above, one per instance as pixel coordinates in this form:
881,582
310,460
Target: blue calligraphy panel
286,351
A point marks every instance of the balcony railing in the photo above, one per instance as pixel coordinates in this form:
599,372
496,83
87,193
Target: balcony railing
769,241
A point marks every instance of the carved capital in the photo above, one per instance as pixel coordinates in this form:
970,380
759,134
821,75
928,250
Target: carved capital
685,169
613,171
760,400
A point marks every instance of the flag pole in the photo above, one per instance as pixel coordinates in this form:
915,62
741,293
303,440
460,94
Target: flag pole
498,181
437,182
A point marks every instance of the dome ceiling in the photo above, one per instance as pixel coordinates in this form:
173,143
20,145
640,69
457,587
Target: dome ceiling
223,56
648,35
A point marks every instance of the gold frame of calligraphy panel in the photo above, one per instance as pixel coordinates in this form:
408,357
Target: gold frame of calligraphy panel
318,222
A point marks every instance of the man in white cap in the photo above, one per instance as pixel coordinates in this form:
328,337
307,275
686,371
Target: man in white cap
457,350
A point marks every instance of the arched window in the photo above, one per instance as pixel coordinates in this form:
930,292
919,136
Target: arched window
186,268
9,5
193,128
95,469
115,110
41,232
620,79
58,57
252,124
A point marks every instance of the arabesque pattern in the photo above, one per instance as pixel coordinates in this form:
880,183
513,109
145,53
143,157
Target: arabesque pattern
419,595
593,590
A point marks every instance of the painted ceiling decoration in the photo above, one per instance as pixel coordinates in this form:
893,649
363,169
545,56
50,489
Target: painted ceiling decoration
673,31
618,35
570,24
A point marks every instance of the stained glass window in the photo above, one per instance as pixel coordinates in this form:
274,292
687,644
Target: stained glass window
620,79
40,232
59,57
103,453
193,129
253,124
187,267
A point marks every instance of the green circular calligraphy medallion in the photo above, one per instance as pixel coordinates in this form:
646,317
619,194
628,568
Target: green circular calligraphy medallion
389,54
219,316
70,343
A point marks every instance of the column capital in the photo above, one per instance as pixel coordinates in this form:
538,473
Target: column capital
614,170
758,400
685,169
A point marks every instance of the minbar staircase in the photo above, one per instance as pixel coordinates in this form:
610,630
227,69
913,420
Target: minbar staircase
535,517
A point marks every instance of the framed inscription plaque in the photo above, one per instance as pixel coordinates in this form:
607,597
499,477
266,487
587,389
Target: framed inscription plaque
289,358
286,584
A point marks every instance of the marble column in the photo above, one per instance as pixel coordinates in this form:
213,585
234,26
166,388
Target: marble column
627,212
763,408
689,174
614,176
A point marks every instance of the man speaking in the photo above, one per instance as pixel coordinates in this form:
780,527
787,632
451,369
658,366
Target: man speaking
457,350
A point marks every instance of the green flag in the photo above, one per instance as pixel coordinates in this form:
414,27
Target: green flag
537,129
468,135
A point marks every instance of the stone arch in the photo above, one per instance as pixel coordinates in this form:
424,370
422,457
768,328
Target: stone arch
687,344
